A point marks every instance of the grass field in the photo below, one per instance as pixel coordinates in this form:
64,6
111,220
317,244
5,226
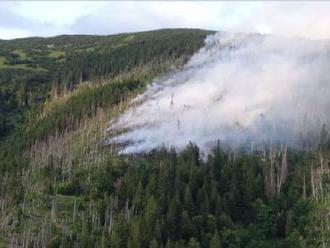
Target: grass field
56,54
3,65
2,243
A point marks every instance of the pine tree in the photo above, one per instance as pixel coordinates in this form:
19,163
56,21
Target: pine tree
153,243
21,96
215,241
188,199
193,243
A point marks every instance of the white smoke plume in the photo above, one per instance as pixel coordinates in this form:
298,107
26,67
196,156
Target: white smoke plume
238,88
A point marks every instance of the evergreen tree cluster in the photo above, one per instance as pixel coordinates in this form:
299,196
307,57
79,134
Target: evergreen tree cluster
63,185
170,199
31,69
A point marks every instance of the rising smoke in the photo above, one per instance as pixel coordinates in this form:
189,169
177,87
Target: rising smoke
239,88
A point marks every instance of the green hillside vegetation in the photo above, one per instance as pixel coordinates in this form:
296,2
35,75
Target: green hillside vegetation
33,68
5,65
58,54
62,185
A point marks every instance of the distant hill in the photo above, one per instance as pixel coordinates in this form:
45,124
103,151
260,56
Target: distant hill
31,67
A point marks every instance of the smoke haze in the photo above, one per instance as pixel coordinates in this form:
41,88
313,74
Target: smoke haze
239,88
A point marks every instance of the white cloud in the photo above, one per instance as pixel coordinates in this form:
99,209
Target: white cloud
57,13
292,19
306,19
11,33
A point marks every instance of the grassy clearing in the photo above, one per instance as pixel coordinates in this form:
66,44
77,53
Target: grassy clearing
90,49
129,38
2,243
3,65
56,54
20,53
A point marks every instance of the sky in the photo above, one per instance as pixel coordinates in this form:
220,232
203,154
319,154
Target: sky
35,18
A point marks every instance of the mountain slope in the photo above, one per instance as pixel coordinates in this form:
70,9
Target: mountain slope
63,186
68,115
31,69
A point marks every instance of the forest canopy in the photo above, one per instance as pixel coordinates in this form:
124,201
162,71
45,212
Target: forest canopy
63,185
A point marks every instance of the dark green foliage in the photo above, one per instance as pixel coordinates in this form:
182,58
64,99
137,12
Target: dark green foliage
125,54
30,67
65,117
160,199
68,61
177,200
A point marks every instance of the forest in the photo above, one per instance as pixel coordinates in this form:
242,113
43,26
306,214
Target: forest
63,185
33,69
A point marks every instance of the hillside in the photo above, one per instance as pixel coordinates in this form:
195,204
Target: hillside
32,69
63,185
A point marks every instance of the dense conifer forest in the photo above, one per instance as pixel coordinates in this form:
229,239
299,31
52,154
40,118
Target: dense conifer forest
63,185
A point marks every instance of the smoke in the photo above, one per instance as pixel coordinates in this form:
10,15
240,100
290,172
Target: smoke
239,88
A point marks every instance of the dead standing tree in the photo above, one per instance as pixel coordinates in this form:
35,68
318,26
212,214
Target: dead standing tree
277,170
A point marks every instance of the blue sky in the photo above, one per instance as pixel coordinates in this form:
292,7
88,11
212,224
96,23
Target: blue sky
302,19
